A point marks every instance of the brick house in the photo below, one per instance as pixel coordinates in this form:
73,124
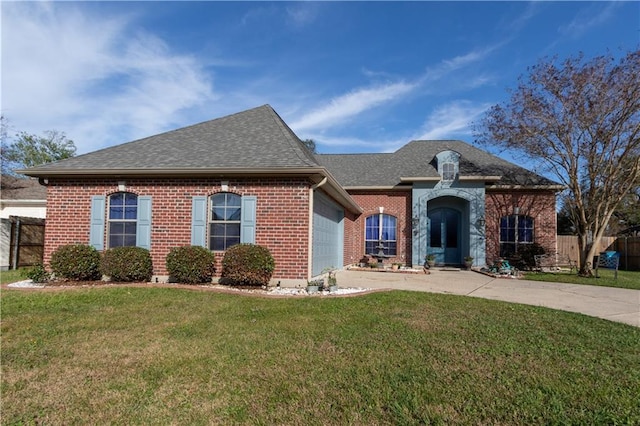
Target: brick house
248,178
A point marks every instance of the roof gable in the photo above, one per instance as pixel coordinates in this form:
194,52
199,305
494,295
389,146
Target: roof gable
254,139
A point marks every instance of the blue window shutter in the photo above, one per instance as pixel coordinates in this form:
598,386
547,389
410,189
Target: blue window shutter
248,222
143,227
96,231
199,221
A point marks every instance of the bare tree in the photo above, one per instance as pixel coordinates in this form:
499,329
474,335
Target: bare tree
580,120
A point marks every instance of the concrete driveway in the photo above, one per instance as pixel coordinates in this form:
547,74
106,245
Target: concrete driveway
614,304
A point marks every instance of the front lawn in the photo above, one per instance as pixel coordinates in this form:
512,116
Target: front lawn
626,279
124,355
12,275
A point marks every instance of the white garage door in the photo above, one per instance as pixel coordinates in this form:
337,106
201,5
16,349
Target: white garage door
328,234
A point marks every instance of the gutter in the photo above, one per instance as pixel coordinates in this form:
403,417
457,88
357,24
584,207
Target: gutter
151,172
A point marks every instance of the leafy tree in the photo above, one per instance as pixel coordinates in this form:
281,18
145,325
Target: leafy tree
310,144
31,150
580,119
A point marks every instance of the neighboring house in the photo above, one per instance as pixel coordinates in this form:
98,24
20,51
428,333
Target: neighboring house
248,178
22,197
21,201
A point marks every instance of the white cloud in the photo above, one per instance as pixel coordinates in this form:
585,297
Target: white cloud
92,77
447,66
453,118
336,144
588,18
346,106
302,14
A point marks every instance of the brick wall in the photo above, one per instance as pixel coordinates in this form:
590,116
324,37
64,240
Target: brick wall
282,216
539,205
395,203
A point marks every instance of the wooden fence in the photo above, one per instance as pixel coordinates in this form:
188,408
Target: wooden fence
628,247
27,242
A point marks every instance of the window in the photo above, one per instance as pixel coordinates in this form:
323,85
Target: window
448,171
123,219
380,229
514,230
224,220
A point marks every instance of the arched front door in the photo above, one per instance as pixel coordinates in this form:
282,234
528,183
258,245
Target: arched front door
444,235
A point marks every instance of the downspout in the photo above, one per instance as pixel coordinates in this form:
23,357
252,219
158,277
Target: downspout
310,239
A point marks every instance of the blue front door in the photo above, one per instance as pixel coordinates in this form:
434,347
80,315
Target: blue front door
444,235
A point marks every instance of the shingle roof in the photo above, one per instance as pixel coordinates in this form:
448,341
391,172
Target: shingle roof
14,188
416,160
256,138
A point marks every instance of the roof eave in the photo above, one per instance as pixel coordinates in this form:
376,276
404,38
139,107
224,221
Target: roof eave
378,188
29,202
175,172
340,194
479,178
551,187
420,178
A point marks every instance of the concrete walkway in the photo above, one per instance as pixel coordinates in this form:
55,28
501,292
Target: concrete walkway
614,304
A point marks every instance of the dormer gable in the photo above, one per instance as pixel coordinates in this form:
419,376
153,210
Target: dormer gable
448,164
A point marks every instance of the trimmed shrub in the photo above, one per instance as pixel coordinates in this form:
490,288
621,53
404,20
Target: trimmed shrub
38,274
127,264
190,265
76,262
248,264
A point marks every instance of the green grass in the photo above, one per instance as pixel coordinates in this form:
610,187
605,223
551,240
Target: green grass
170,356
626,279
12,275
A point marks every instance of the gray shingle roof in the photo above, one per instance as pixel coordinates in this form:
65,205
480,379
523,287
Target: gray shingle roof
256,138
416,160
14,188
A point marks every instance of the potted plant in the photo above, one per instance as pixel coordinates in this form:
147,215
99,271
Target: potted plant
430,260
468,262
332,282
396,265
314,286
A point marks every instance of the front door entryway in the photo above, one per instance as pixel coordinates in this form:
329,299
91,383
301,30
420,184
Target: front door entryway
445,236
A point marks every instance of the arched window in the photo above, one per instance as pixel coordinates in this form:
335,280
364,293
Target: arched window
224,220
123,219
380,229
515,230
448,171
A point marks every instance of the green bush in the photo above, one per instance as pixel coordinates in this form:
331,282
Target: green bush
76,262
38,274
190,265
127,264
247,264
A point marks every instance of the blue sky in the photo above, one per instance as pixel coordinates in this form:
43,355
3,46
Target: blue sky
353,76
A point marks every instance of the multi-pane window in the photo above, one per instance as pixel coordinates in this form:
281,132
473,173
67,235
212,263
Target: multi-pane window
448,171
224,220
380,229
123,218
514,230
